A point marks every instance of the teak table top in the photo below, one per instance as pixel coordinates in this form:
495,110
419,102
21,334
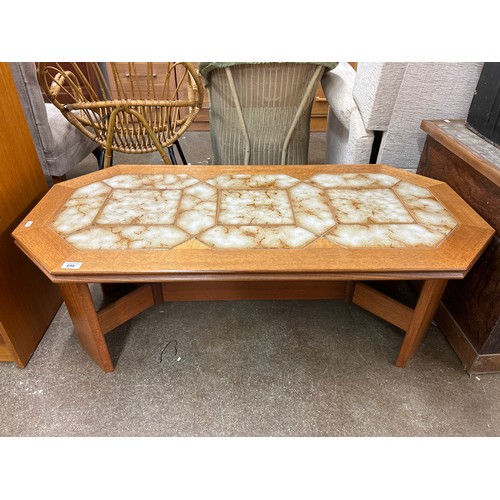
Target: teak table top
161,223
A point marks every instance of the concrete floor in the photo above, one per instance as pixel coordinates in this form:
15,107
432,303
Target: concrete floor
249,368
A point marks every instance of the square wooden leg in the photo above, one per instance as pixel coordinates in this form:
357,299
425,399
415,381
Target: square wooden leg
424,311
82,311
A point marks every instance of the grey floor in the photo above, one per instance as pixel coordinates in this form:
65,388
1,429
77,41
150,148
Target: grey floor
260,368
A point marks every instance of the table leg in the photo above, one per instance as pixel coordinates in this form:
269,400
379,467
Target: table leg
82,311
424,311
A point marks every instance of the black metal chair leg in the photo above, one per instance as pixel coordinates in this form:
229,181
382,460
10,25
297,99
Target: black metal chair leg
171,155
181,154
97,153
100,158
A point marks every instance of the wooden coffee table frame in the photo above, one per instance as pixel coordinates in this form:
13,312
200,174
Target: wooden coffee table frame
196,272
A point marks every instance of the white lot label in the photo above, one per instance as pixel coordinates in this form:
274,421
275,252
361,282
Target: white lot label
72,265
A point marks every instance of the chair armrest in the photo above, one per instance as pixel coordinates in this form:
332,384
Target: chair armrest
34,108
337,86
376,90
58,83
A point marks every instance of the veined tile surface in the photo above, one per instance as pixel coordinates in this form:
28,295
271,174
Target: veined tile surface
159,211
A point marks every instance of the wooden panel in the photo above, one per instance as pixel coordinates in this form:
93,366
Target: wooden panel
252,290
134,78
28,301
319,111
472,361
202,121
475,302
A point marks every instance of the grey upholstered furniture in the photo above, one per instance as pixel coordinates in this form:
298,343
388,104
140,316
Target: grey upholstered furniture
375,112
260,112
60,146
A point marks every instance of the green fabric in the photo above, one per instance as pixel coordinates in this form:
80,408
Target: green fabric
206,67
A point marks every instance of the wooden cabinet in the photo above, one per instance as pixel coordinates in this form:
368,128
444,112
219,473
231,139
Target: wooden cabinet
143,80
319,112
28,300
470,312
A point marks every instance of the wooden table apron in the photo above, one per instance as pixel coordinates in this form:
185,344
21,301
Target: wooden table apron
261,270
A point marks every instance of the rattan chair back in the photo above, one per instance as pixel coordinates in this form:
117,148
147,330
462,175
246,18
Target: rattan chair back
260,113
127,107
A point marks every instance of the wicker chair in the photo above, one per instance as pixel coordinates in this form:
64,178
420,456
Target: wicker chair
127,107
260,112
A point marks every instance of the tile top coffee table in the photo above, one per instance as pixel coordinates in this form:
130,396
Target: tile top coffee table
158,225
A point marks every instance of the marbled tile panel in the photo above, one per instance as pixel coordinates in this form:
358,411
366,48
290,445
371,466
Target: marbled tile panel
151,181
425,208
311,208
367,206
248,181
384,235
255,207
79,210
252,211
472,140
140,206
354,180
256,237
127,237
198,208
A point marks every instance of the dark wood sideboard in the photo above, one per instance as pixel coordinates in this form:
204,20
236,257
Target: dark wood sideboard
470,308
